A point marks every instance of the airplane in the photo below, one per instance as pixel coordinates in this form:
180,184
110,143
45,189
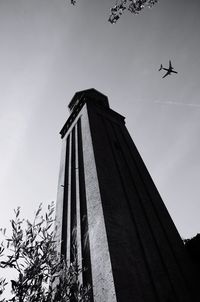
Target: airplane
169,70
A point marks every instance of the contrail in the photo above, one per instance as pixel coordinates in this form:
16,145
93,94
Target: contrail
168,103
177,103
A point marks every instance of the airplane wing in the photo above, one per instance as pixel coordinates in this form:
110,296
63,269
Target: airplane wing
167,73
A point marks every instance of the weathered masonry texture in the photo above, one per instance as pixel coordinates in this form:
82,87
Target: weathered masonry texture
109,206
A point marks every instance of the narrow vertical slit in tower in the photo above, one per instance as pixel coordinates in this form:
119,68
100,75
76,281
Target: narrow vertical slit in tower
78,216
73,248
86,261
68,241
65,203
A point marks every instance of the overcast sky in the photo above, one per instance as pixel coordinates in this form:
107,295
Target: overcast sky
50,49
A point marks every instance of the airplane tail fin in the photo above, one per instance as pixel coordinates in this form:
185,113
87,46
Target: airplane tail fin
161,67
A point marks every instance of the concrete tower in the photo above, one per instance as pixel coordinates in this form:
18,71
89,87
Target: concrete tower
109,206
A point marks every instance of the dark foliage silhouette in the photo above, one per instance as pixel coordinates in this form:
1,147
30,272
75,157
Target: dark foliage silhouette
133,6
193,248
42,275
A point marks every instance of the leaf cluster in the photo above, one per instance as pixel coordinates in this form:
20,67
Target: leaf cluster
42,274
134,6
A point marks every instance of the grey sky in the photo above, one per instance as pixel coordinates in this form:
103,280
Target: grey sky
49,50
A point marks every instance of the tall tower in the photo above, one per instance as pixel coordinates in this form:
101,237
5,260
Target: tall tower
109,206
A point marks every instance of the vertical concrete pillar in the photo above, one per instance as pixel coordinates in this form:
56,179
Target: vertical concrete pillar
102,276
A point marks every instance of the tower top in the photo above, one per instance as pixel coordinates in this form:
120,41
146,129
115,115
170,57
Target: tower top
90,97
84,95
